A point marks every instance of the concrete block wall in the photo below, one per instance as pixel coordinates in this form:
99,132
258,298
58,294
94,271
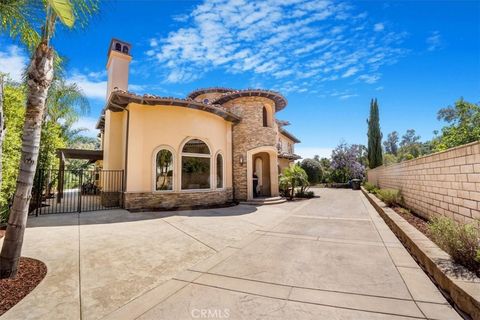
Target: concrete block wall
445,183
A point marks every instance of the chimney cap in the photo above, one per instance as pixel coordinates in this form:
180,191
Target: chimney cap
119,46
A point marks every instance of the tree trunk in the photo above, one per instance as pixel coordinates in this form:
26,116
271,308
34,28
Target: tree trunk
2,129
39,79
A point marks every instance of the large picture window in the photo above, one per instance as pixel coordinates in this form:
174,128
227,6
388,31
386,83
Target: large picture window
164,170
195,165
219,171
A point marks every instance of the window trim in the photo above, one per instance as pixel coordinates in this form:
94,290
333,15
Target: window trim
223,171
154,168
199,155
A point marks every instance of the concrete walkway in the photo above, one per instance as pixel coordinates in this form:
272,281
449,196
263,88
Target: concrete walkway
331,257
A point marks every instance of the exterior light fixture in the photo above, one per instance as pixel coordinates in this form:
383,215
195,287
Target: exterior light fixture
241,159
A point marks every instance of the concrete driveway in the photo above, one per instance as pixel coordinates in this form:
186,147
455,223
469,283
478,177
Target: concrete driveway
330,257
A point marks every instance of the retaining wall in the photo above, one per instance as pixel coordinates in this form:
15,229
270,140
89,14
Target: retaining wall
445,183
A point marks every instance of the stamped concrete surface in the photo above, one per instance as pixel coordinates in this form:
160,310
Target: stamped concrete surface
331,257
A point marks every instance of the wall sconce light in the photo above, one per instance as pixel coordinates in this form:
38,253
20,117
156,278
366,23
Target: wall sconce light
241,160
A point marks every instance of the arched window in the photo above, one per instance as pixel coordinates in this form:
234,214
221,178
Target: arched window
219,171
195,165
118,47
125,49
164,170
265,117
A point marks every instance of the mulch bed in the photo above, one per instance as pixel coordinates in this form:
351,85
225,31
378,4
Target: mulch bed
30,273
418,222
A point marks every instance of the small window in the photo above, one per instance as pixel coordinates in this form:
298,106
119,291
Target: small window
265,117
125,49
219,171
195,165
118,46
164,170
206,101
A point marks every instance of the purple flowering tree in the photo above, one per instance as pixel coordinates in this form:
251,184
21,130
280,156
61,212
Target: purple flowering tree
347,162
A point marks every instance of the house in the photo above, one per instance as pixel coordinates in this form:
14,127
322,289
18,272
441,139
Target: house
215,146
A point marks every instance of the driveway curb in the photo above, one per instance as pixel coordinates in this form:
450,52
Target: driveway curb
462,286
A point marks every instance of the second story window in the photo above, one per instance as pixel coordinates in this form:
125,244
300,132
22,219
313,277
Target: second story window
265,117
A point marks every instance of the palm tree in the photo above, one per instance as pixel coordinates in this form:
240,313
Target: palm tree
65,103
19,17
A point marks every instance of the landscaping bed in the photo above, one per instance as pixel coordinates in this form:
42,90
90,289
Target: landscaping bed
30,273
418,222
458,283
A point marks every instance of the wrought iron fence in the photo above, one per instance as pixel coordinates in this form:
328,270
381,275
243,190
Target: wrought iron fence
63,191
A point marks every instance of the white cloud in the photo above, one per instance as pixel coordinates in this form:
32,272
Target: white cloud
434,41
301,40
310,152
377,27
13,62
369,78
87,123
90,85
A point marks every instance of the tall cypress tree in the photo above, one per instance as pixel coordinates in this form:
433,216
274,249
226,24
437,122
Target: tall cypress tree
375,157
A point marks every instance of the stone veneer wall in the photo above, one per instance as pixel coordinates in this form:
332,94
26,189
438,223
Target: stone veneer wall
249,134
445,183
176,200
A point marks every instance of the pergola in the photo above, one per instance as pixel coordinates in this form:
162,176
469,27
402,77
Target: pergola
82,154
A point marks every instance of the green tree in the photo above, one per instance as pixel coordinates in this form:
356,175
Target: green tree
375,158
14,109
391,144
410,146
464,125
39,76
314,170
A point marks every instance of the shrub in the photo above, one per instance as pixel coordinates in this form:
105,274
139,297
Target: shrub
391,197
369,186
461,241
306,194
293,178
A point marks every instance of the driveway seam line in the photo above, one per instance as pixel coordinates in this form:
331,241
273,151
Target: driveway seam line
315,289
79,267
184,232
391,258
166,298
308,302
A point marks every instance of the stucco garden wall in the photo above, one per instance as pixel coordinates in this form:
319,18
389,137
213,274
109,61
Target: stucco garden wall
445,183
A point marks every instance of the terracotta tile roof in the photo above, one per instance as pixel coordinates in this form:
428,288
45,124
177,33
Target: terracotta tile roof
120,99
280,100
288,135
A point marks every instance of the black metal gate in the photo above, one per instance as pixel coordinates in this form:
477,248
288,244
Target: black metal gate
63,191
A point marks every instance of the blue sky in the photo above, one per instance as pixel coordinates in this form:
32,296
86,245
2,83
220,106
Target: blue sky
329,58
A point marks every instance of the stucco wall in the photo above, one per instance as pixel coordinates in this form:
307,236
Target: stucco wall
286,144
114,140
154,126
445,183
284,163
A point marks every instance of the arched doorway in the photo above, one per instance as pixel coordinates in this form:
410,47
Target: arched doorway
263,162
262,172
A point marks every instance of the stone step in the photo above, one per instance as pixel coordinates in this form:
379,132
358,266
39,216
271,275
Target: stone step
264,201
